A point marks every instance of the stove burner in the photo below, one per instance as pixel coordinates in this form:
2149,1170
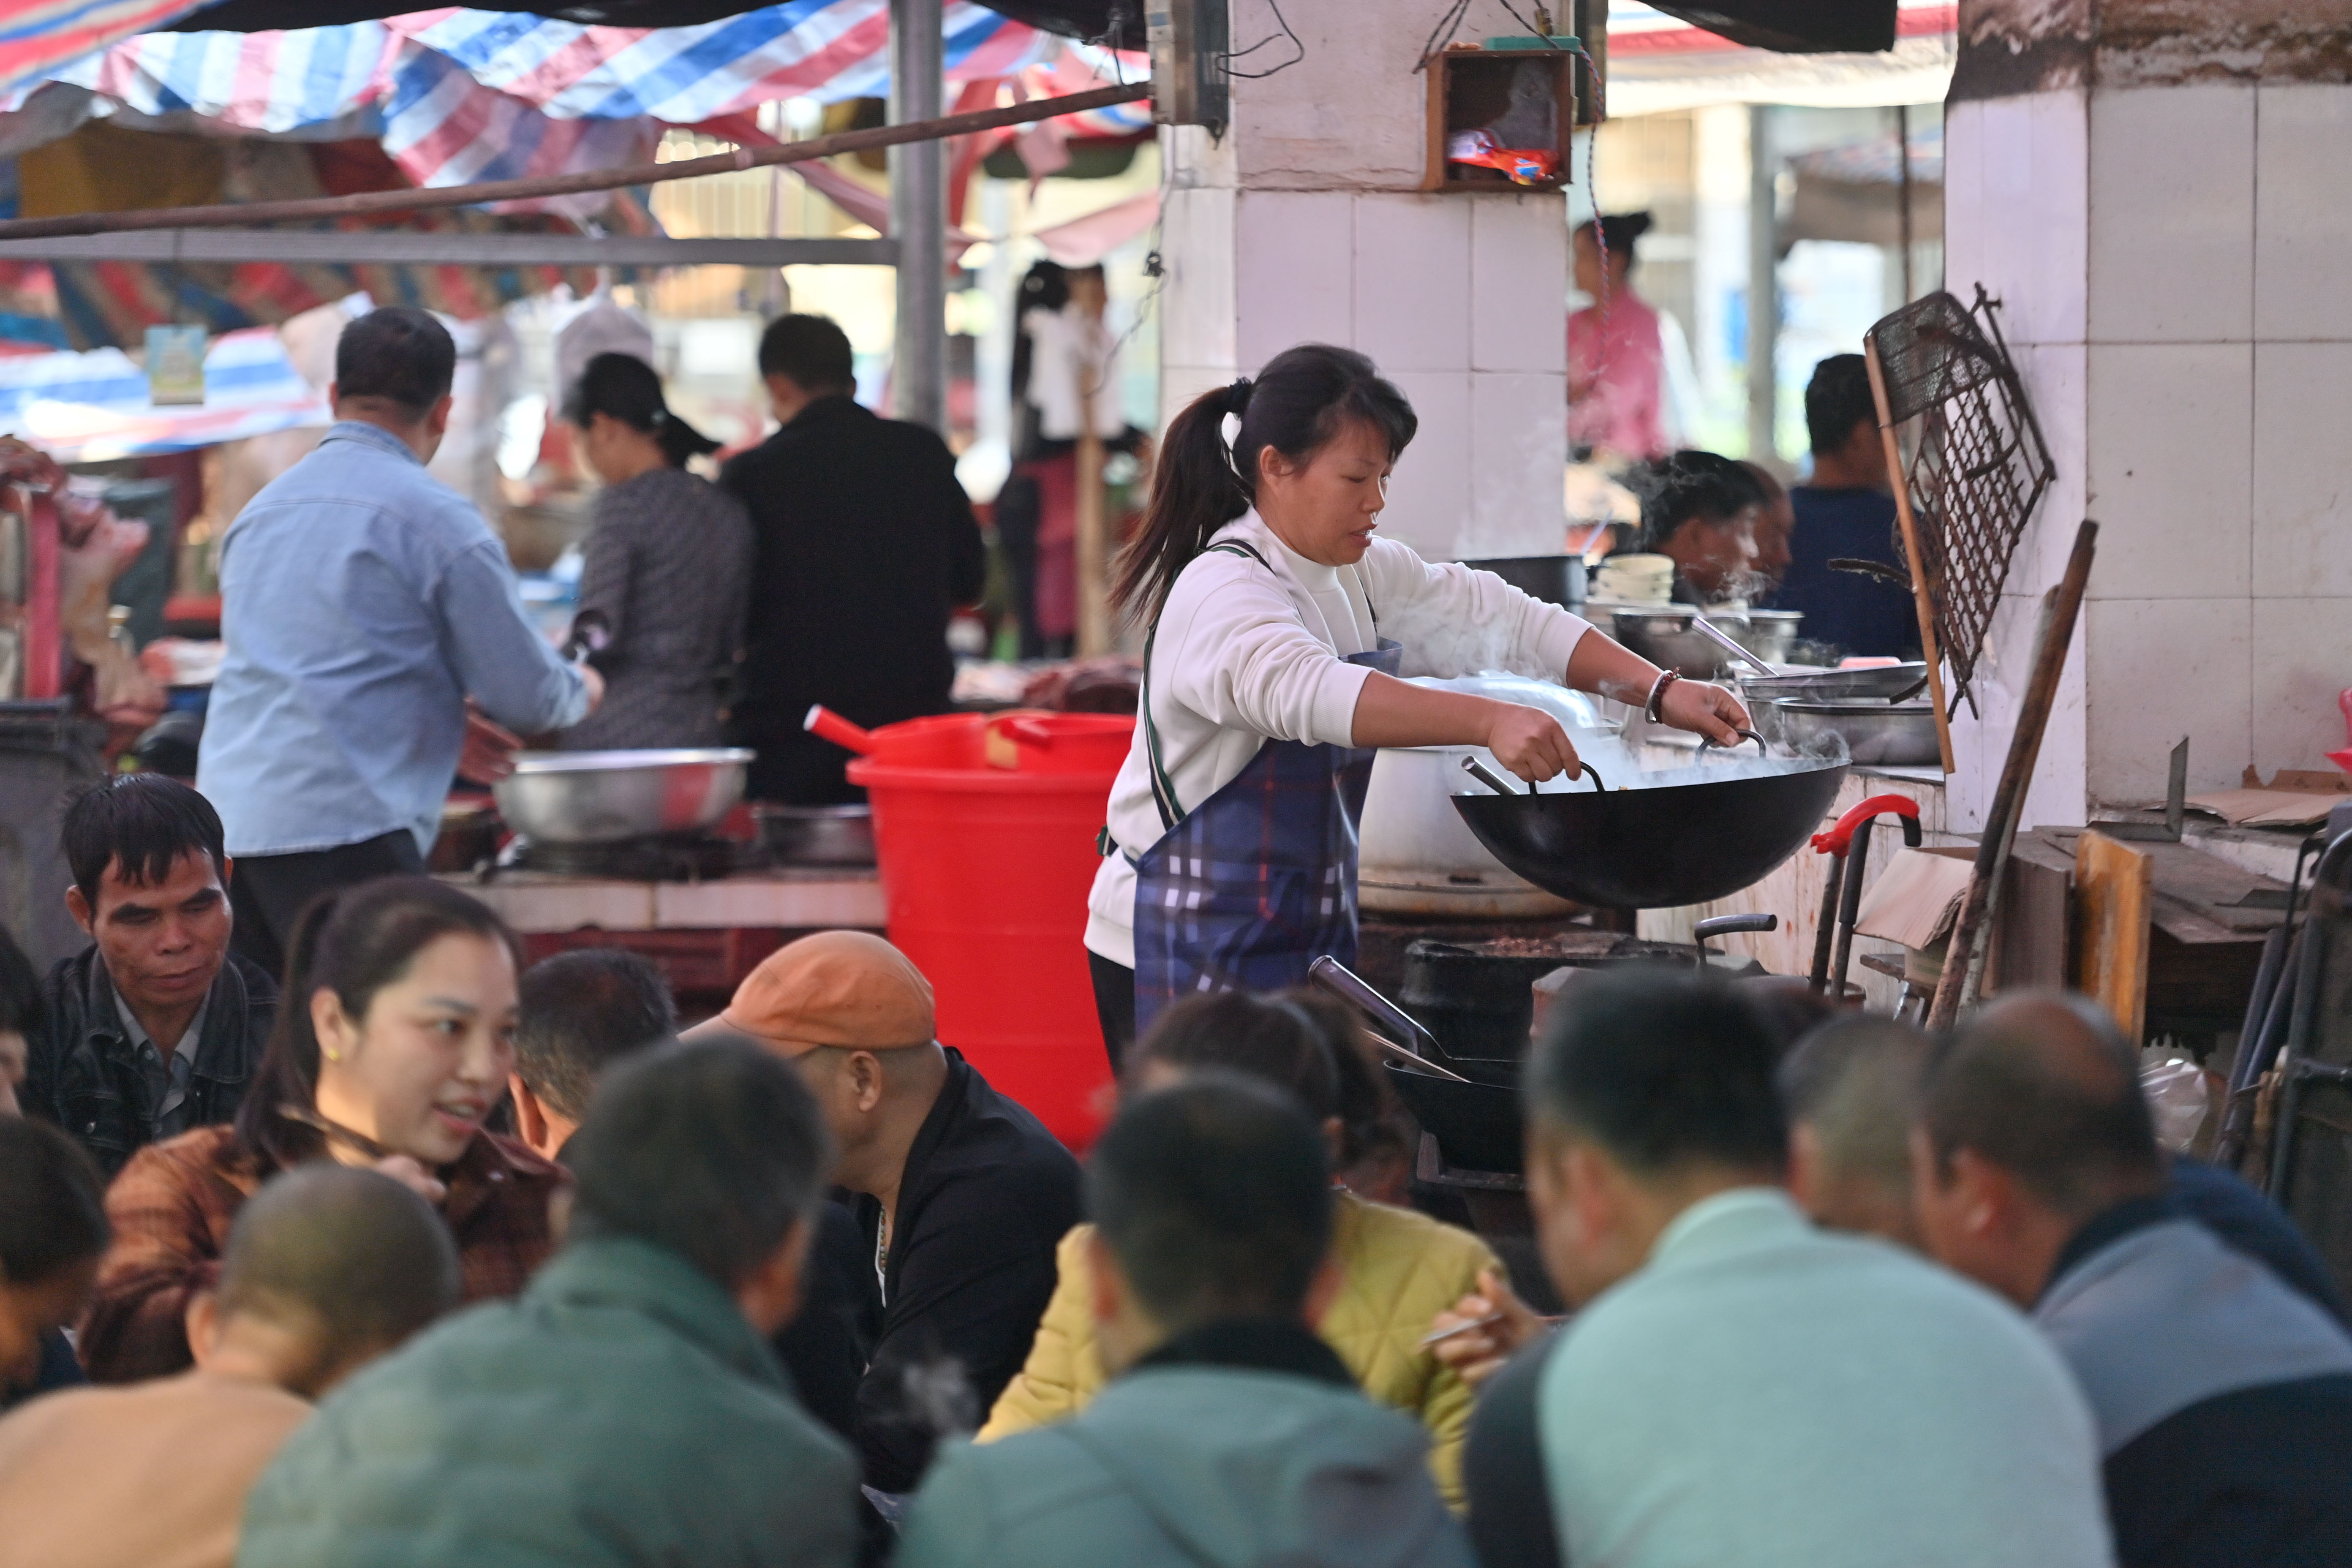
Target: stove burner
684,858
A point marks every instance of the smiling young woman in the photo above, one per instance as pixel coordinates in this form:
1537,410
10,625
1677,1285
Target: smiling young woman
392,1046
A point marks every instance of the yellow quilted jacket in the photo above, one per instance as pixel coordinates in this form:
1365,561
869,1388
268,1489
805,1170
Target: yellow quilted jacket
1402,1269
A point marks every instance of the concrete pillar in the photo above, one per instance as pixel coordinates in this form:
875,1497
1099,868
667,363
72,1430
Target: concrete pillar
2162,195
918,215
1304,223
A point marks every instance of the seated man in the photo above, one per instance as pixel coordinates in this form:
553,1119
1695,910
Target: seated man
53,1231
1846,511
1741,1386
579,1011
959,1194
1853,1090
1230,1432
326,1268
624,1409
2223,1398
156,1027
1849,1088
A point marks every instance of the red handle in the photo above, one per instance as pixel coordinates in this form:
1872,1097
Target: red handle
826,724
1029,729
1839,839
2344,706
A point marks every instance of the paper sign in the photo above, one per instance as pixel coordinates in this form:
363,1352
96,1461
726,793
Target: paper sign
175,365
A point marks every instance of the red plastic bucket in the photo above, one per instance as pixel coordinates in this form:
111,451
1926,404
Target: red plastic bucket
984,826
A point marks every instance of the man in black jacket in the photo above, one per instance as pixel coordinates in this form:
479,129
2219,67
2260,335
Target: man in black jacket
960,1194
154,1029
864,543
2223,1398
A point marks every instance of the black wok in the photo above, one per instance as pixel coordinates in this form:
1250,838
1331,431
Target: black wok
1476,1124
1658,847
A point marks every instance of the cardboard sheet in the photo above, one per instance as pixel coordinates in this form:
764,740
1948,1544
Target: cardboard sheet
1916,897
2293,798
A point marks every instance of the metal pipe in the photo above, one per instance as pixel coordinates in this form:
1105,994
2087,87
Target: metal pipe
1763,284
919,217
2303,1019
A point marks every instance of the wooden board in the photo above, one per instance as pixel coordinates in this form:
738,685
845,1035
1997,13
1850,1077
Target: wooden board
2112,887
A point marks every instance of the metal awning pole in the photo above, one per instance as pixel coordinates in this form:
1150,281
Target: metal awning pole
919,217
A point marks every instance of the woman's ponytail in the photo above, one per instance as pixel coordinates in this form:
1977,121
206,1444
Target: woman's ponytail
1302,398
1195,491
678,440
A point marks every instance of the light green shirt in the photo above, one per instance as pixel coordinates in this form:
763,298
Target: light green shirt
1767,1393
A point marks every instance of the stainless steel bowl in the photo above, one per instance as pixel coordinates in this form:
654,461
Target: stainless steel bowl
817,834
603,797
1770,635
1885,683
1663,634
1876,734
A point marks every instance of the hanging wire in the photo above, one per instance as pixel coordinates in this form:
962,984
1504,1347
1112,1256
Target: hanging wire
1442,35
1282,22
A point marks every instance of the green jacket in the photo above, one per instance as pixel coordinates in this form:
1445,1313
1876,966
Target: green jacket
621,1411
1193,1464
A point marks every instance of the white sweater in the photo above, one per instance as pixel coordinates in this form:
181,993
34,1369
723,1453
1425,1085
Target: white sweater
1240,659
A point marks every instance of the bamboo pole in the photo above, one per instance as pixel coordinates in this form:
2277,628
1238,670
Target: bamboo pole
1964,960
368,204
1093,531
1922,597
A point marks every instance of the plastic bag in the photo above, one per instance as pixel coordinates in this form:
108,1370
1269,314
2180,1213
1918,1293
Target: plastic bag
1524,166
2178,1097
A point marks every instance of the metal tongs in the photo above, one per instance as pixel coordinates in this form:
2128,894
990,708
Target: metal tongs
1346,984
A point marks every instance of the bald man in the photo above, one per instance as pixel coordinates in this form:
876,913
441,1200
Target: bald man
327,1268
2223,1399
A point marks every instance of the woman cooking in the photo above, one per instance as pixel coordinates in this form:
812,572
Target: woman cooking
668,568
1279,627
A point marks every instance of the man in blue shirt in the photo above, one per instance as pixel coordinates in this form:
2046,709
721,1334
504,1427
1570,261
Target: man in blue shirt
1847,512
363,603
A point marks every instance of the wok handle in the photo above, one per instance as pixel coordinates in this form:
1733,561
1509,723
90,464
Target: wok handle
1706,741
826,724
1490,778
1586,770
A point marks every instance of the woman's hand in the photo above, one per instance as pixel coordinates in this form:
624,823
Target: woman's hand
1531,743
1475,1354
410,1174
1705,709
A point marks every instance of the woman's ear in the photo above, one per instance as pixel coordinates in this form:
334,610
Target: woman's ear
332,1026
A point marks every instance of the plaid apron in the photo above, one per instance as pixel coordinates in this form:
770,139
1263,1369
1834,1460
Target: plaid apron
1248,889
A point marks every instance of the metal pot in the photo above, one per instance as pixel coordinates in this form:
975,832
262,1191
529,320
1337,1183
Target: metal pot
1876,734
1664,634
1662,845
817,834
1771,634
605,798
1417,857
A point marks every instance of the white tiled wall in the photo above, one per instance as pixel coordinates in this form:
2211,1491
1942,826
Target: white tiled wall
1460,299
2173,262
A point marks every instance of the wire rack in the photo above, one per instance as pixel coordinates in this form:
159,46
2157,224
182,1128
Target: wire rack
1977,464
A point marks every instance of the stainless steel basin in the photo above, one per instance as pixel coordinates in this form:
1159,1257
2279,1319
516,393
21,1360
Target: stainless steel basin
603,797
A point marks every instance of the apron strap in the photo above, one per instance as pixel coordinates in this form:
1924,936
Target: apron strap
1163,788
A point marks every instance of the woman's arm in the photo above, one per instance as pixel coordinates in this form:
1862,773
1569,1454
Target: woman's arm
1616,672
1527,741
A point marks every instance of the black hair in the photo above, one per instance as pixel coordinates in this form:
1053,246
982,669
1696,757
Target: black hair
1837,399
579,1011
350,1259
1300,1041
625,387
22,1008
812,351
1855,1081
1690,484
400,355
52,1203
2056,1100
1664,1069
141,823
353,941
1619,231
1215,1198
712,1150
1305,395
